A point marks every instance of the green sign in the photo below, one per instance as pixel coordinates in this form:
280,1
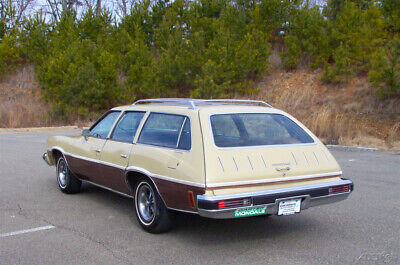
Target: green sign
250,212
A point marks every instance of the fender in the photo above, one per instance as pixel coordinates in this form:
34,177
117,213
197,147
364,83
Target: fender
62,153
175,199
143,172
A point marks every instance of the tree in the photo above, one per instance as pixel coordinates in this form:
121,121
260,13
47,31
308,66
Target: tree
123,7
94,5
356,34
306,39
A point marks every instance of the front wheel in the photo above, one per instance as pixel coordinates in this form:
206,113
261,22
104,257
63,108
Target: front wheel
150,209
67,182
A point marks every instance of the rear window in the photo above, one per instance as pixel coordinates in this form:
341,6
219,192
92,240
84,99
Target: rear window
252,129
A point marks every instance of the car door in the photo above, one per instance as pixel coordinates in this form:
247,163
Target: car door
86,162
116,151
164,148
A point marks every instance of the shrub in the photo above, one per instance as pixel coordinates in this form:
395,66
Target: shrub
385,72
10,54
341,70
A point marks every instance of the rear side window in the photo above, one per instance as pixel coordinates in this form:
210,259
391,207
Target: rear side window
103,127
164,130
126,128
252,129
185,142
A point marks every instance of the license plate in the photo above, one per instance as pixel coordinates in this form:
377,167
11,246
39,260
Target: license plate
250,212
289,207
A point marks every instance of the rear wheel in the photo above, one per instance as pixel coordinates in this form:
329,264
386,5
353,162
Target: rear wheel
67,182
150,209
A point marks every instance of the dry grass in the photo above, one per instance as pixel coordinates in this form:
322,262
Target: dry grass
20,101
348,114
21,104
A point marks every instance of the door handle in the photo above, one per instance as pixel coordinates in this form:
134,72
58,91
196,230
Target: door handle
282,169
97,150
123,155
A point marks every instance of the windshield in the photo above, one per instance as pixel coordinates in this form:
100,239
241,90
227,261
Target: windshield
252,129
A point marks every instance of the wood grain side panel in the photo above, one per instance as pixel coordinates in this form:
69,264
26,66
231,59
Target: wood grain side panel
114,178
83,169
176,195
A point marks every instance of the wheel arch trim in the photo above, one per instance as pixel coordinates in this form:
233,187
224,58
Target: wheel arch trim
146,174
56,148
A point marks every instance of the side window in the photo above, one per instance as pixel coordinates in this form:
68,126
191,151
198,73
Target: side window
103,127
126,128
162,130
185,142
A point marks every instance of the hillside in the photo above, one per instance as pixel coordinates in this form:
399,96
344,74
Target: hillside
347,114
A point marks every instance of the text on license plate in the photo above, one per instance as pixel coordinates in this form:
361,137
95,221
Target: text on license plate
288,207
250,212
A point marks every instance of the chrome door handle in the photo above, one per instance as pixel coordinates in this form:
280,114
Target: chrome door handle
123,155
282,169
97,150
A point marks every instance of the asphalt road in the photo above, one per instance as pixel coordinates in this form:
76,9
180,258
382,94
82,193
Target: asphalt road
99,227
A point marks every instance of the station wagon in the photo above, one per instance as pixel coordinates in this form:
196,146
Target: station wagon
215,158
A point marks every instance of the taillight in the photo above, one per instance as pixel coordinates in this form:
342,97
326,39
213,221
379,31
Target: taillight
341,188
234,203
191,199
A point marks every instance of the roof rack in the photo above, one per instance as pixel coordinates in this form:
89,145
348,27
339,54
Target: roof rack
193,102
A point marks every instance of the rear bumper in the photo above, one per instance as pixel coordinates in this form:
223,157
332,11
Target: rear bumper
311,195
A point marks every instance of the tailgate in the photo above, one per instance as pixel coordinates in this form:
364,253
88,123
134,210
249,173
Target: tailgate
247,166
238,153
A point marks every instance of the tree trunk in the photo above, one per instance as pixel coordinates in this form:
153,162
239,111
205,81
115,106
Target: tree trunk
98,7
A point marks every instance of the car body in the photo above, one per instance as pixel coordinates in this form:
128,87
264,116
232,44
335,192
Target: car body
215,158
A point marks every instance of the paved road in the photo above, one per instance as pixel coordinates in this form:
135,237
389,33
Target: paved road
99,227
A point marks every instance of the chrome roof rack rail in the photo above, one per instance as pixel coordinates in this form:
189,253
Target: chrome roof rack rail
193,102
182,101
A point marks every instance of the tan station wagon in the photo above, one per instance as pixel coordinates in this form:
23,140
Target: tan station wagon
215,158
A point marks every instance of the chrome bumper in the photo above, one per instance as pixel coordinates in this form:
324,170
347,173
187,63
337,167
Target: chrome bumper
45,157
311,195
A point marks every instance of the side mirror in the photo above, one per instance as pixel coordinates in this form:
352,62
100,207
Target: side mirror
85,133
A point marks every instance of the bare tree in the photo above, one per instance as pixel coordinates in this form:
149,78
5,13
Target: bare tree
95,5
12,11
56,7
122,7
98,7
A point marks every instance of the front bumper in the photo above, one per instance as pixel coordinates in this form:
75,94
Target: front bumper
311,195
46,159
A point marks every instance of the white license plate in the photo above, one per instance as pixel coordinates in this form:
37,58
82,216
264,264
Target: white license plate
289,207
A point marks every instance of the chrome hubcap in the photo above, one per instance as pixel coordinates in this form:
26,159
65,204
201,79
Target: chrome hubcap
146,203
62,174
